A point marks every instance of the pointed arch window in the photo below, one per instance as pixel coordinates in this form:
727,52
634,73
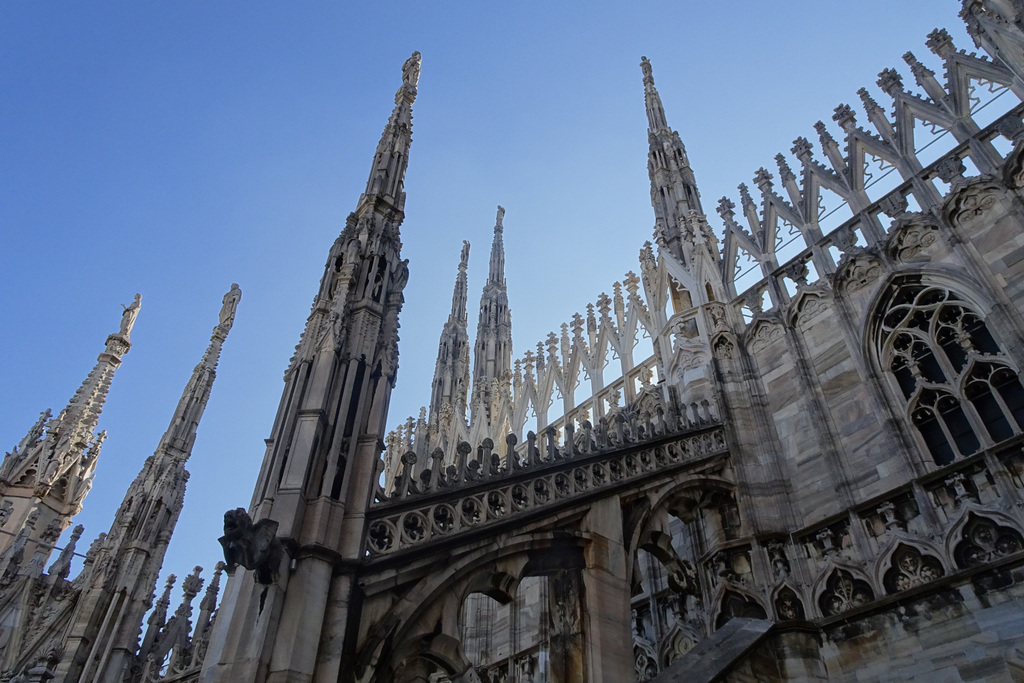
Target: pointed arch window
960,389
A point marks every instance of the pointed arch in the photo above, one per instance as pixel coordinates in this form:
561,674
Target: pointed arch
788,604
929,335
907,566
977,538
737,602
840,588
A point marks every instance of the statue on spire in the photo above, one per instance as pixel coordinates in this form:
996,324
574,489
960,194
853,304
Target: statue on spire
230,303
411,69
464,256
498,227
131,311
645,66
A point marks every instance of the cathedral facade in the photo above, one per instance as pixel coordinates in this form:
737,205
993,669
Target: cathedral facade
789,449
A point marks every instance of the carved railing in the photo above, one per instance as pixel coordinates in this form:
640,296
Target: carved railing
488,489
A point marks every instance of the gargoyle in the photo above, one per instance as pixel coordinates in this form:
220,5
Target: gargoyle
253,546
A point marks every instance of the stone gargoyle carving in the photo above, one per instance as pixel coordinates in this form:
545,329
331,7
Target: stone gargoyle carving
253,546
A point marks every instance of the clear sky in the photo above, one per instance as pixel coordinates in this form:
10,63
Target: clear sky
174,148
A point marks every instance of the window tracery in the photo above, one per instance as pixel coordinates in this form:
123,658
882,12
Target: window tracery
960,389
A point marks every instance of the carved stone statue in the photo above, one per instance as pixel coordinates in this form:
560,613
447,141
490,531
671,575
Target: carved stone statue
131,311
253,546
411,69
230,303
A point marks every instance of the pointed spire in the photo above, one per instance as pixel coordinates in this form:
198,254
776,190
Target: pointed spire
655,110
387,176
492,353
181,432
460,295
141,530
496,274
674,194
69,447
451,374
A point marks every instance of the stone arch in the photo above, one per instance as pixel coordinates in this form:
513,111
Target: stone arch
840,588
682,574
421,657
808,303
908,567
436,593
679,641
978,538
885,560
737,602
788,604
674,500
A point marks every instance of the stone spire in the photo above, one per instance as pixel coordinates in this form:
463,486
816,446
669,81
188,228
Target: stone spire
451,372
104,629
323,458
53,472
674,194
387,176
680,225
492,354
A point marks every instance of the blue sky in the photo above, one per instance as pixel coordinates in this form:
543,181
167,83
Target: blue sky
174,148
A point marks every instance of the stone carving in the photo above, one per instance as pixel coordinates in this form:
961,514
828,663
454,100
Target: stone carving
858,272
764,335
844,592
777,558
645,662
229,304
411,69
724,348
253,546
984,541
965,207
910,568
912,239
788,605
131,311
893,205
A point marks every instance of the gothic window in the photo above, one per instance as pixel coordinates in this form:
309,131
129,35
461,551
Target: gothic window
984,541
910,568
959,387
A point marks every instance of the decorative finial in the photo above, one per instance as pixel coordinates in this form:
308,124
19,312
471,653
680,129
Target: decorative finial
230,303
411,69
464,258
501,216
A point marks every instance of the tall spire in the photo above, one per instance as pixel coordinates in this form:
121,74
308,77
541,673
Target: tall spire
496,273
674,194
451,372
103,633
387,175
323,458
492,355
655,111
52,472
